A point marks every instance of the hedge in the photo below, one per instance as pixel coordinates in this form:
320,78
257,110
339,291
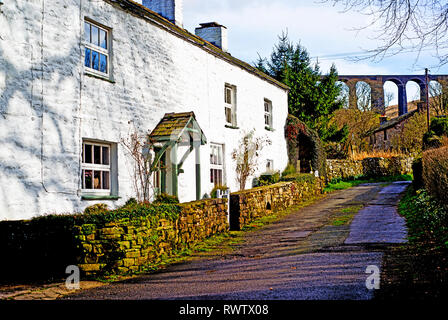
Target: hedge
42,247
435,173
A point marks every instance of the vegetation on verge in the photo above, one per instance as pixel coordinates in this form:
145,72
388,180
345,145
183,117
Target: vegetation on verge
341,184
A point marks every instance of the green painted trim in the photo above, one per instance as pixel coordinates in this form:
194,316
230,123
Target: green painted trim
231,127
269,129
174,171
86,197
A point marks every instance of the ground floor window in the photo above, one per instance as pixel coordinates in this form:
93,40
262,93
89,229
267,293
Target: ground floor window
96,168
216,164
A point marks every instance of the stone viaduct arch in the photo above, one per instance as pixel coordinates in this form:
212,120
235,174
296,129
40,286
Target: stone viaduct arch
376,83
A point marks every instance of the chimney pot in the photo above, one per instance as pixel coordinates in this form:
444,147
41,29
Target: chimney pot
214,33
169,9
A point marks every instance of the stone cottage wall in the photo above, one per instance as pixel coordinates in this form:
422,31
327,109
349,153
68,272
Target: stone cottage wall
50,103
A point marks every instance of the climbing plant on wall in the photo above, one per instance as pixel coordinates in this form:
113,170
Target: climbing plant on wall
304,144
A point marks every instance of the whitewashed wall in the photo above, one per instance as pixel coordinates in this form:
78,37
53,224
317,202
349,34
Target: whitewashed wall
48,105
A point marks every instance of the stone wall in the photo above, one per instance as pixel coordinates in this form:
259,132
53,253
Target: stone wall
344,169
129,245
248,205
369,167
42,248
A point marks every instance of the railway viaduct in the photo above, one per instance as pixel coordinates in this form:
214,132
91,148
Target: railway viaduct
376,83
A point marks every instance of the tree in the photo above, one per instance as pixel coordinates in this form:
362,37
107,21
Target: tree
357,123
140,149
410,140
405,25
364,94
439,98
388,97
246,156
313,97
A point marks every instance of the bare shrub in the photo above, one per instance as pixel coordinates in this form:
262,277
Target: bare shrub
435,173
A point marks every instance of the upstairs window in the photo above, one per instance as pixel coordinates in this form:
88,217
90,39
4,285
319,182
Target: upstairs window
268,113
96,41
230,105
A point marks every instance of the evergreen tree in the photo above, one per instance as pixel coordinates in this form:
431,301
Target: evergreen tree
312,97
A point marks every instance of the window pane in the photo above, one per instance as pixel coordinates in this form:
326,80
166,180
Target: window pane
88,58
87,153
228,97
95,36
87,32
87,179
228,115
95,60
106,155
219,155
103,63
97,180
103,39
219,177
211,176
97,154
106,183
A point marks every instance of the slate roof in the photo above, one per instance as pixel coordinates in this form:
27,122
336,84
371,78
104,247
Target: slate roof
393,122
153,17
172,126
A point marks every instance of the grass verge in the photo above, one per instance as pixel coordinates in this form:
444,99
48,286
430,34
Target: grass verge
341,184
418,269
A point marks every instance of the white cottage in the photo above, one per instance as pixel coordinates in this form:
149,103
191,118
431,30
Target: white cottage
76,76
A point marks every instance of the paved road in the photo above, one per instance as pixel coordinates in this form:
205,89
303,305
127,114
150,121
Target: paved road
301,257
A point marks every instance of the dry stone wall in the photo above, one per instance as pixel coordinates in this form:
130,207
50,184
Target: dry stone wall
369,167
43,248
246,206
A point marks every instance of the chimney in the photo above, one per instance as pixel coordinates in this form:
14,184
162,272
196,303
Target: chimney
214,33
169,9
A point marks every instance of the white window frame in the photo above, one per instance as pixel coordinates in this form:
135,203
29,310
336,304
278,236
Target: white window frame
230,105
99,49
96,167
217,162
268,121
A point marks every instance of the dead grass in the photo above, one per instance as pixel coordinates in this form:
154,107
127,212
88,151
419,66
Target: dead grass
376,154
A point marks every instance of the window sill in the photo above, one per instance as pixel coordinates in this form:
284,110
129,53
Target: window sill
231,127
269,129
92,197
97,76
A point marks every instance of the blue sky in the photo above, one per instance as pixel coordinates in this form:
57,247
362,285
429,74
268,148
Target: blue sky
324,30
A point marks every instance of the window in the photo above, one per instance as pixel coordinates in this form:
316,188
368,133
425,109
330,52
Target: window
268,113
230,105
269,165
385,135
96,40
216,164
96,168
